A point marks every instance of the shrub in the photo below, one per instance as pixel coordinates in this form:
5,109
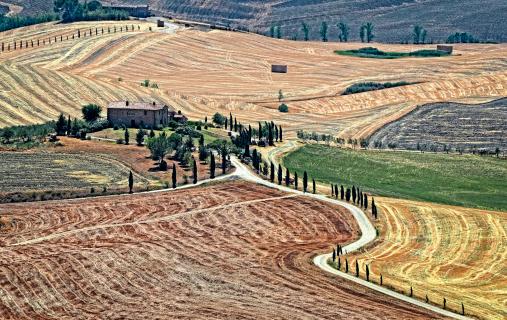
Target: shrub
283,108
219,119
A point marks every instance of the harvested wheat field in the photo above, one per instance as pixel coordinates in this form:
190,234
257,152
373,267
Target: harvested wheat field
442,251
204,72
231,250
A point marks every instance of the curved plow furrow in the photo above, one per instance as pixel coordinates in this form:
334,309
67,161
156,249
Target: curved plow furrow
233,250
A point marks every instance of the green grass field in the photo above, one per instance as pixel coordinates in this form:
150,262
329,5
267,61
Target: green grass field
464,180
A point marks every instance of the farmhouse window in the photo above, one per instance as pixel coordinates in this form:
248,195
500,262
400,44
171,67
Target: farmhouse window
145,112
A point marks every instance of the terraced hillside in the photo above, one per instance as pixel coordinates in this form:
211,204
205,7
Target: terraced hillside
443,252
449,125
394,19
233,250
230,72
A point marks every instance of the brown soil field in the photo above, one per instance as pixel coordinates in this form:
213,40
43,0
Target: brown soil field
204,72
442,251
232,250
133,156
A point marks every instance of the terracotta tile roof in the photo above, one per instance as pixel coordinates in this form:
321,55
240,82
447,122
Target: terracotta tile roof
136,105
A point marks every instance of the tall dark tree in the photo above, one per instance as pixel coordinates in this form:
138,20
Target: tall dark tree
306,31
280,174
247,151
367,273
126,135
354,194
346,265
212,166
260,131
342,193
226,122
365,201
270,135
305,181
339,263
68,127
194,171
255,159
61,125
313,186
174,176
323,31
249,134
280,134
235,125
287,177
347,195
334,255
223,151
272,172
344,32
357,269
276,133
131,181
295,180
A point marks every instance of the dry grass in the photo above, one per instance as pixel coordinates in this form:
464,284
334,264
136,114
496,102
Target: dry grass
233,250
443,251
226,71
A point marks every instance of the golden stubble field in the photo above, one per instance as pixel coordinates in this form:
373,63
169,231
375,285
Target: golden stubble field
204,72
444,252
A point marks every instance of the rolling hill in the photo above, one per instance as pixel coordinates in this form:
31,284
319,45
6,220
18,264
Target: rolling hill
393,19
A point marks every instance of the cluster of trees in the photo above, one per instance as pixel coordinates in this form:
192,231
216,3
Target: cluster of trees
17,21
365,32
73,10
419,35
371,86
462,37
327,138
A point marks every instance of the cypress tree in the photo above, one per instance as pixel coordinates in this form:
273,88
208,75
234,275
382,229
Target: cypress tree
382,280
224,159
126,135
339,263
276,133
346,265
174,176
247,151
313,186
336,191
212,166
367,273
462,309
60,125
260,131
280,174
332,190
411,291
357,269
354,194
131,182
347,195
226,123
194,171
334,255
287,177
270,135
342,192
235,125
249,134
296,180
280,138
427,299
230,121
255,160
272,174
365,201
305,181
445,302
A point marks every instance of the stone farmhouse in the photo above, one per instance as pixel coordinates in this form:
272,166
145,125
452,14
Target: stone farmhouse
147,115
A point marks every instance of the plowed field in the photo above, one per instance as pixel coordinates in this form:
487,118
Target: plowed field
233,250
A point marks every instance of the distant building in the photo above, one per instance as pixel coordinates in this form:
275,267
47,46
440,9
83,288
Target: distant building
148,115
279,68
134,11
445,48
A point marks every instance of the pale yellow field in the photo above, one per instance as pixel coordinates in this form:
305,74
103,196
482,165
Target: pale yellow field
443,251
204,72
